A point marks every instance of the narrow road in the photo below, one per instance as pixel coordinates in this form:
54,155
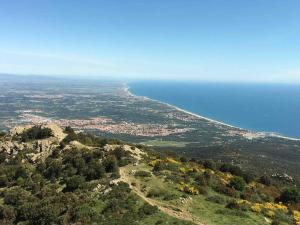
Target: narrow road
168,209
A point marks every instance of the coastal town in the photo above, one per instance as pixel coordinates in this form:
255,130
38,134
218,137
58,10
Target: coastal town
102,124
114,100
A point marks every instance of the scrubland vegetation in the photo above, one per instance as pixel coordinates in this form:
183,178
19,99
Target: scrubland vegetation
35,133
235,194
71,186
78,186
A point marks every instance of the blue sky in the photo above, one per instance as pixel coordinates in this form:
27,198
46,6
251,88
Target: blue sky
216,40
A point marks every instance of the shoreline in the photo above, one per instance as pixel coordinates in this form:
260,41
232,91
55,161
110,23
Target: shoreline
264,133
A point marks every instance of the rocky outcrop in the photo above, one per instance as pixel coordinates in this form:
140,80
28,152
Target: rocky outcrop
56,130
12,147
44,148
135,152
39,149
18,130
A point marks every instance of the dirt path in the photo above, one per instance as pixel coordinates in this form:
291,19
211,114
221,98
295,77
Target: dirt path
168,209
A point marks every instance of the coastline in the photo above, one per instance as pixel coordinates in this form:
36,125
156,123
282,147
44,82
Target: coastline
263,133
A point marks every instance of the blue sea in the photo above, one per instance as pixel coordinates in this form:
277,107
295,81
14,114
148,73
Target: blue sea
257,107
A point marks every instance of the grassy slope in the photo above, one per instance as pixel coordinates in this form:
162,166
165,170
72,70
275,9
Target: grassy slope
161,143
206,211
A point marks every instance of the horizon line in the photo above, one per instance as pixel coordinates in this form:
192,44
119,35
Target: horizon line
132,79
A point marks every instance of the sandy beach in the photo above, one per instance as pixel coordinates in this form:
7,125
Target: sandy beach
262,134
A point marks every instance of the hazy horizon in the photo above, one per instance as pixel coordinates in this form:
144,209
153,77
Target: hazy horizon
128,80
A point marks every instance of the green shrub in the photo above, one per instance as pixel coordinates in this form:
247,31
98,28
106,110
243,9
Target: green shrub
226,212
84,214
3,181
111,164
2,134
147,210
237,183
290,195
282,219
3,157
142,173
35,133
201,180
73,183
234,170
22,172
223,189
248,177
69,130
202,190
53,168
233,205
155,193
7,213
209,164
265,180
159,193
159,166
216,199
94,170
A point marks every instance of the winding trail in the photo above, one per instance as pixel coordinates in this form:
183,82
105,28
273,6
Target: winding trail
166,208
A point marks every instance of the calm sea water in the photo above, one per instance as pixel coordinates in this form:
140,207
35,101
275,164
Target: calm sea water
257,107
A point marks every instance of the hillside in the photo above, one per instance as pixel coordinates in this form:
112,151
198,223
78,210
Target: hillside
54,176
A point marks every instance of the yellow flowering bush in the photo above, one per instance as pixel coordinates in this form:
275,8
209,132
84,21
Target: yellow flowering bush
243,202
188,189
269,206
296,217
210,171
256,207
224,177
270,213
252,184
182,169
171,160
281,207
201,170
194,169
153,162
269,209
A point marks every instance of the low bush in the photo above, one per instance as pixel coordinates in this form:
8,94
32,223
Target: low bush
233,205
216,199
290,195
265,180
159,193
223,189
73,183
142,173
227,212
234,170
35,133
201,180
147,210
282,219
237,183
155,193
202,190
159,166
209,164
3,181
